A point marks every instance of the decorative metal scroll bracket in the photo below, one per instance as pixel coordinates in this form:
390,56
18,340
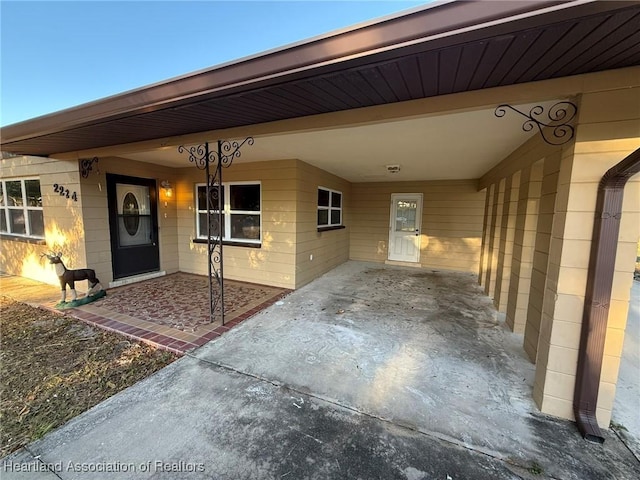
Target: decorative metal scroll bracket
201,156
212,162
86,166
555,128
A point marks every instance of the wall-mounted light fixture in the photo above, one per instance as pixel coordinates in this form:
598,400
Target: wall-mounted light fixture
166,186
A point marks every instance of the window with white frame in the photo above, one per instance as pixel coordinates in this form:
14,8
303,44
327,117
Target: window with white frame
21,207
241,208
329,207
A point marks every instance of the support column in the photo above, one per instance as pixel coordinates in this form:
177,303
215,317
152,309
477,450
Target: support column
606,134
497,235
551,171
505,254
486,235
523,246
494,238
559,338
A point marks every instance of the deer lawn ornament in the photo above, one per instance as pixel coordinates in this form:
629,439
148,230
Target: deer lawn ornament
70,277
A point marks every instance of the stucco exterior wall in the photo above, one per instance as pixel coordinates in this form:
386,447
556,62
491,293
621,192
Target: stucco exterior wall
452,217
63,220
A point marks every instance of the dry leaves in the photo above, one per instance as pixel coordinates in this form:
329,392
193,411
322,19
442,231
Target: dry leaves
54,367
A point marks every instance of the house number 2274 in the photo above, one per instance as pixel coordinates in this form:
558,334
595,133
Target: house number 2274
64,192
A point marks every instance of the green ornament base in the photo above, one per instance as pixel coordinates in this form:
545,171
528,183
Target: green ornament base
81,301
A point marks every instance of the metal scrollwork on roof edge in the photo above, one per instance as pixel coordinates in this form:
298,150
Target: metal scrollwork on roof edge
200,155
555,128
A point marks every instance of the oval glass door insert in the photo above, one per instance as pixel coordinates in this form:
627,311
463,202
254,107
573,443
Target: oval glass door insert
131,213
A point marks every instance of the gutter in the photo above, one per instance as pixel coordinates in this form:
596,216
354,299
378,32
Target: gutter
597,298
431,27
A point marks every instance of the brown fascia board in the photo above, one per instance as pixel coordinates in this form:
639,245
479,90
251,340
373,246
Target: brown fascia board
455,21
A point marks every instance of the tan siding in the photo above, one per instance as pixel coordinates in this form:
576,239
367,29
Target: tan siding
451,222
484,273
608,131
96,213
507,236
523,249
541,254
524,156
494,239
64,228
274,262
330,248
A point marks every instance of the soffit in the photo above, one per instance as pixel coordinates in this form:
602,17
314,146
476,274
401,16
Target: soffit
558,40
451,146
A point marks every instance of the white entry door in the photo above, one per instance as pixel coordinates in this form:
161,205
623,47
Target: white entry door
404,227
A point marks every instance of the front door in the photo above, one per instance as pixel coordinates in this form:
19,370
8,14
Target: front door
404,227
133,222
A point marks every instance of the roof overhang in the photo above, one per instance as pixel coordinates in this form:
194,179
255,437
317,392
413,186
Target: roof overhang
444,48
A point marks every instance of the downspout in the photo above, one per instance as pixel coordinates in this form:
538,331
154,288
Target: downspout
602,258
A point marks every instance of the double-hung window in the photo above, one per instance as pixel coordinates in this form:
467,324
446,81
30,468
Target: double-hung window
241,212
329,208
21,207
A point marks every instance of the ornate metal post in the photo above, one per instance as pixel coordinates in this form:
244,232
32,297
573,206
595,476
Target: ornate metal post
203,158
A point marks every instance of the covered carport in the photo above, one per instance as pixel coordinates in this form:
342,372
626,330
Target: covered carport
420,91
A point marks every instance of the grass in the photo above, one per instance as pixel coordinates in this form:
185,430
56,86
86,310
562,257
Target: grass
617,426
54,367
535,469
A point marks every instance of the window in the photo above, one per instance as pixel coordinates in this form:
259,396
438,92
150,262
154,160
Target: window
329,207
241,204
21,208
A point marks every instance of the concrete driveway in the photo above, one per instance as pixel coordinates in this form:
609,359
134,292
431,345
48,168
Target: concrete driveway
368,372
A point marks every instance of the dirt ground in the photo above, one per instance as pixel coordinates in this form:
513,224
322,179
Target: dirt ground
53,367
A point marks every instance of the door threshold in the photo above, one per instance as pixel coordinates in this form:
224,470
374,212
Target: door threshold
398,263
136,278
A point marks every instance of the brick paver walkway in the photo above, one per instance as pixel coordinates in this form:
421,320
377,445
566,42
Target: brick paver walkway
171,312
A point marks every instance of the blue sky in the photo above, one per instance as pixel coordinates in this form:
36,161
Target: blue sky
55,55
